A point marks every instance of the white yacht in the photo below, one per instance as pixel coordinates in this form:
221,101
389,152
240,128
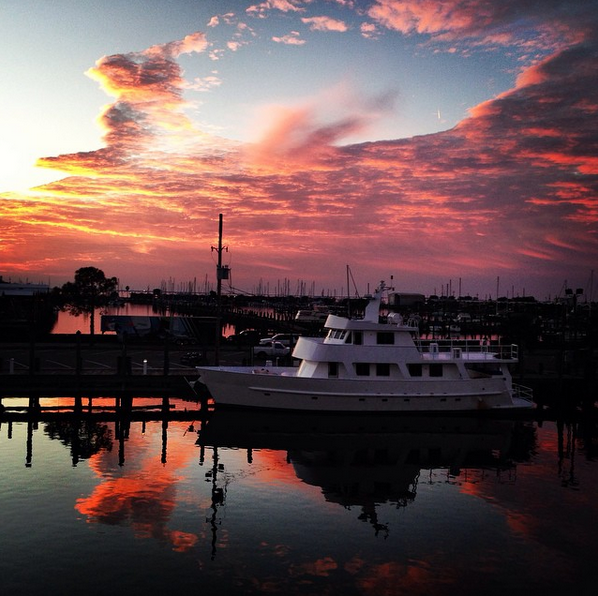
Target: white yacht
375,364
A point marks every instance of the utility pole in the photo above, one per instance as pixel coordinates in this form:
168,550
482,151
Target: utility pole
221,273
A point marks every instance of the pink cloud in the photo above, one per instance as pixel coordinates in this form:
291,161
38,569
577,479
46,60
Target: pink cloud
323,23
501,23
304,134
369,30
263,8
292,39
148,90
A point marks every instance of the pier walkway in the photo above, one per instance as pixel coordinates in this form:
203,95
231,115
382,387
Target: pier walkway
104,368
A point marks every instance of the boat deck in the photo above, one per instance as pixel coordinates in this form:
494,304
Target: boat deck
468,356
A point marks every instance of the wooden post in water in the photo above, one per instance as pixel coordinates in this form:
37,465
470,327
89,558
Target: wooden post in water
34,403
166,356
32,358
78,360
119,431
126,404
76,442
164,439
29,456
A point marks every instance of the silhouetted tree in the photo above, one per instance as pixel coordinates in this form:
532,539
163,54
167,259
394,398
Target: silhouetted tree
90,289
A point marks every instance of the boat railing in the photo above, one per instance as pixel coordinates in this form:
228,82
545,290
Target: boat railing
457,348
523,392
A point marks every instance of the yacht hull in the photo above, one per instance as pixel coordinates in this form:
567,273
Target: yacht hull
281,389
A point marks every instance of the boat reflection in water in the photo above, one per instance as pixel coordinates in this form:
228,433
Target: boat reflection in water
365,461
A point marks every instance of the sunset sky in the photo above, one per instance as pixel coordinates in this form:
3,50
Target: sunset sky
431,140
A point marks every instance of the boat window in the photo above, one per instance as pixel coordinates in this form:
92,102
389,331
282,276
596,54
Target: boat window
333,369
383,369
362,369
337,334
357,338
435,370
385,337
415,370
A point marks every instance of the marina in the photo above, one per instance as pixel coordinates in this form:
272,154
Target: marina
148,478
111,457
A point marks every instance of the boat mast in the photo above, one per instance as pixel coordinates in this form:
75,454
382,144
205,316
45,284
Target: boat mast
348,295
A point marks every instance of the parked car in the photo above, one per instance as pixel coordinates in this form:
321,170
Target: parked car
286,339
192,358
271,349
179,340
182,340
247,337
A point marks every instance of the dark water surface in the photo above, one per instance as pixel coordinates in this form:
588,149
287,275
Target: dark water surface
256,504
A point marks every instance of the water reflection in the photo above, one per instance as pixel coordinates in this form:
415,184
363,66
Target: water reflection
253,503
139,488
365,461
84,438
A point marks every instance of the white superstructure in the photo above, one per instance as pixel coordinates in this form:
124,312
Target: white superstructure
371,366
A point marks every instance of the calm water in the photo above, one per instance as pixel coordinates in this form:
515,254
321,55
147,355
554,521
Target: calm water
67,323
299,505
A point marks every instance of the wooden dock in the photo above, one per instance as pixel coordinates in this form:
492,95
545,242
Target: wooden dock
95,385
43,409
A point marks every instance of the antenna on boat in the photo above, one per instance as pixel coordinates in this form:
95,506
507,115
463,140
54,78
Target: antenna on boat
348,294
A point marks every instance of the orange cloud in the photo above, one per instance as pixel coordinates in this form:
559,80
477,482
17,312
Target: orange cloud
147,87
143,497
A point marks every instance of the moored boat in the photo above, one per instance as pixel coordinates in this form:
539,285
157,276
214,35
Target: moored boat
376,364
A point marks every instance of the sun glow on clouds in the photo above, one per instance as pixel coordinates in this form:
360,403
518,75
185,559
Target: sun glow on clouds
148,89
518,173
307,134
